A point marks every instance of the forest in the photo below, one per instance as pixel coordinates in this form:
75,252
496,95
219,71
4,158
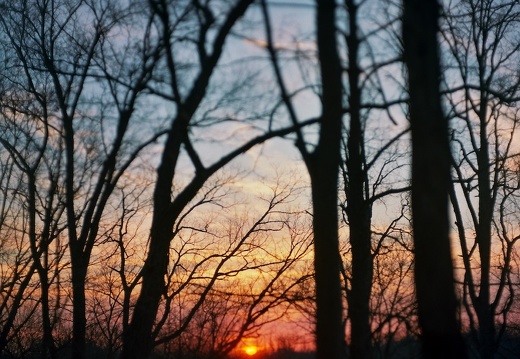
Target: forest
276,179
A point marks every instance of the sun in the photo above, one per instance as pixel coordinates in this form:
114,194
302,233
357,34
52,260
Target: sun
250,350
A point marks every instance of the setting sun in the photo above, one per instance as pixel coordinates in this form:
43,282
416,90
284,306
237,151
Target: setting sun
250,350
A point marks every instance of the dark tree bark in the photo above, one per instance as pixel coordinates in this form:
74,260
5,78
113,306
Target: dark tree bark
323,166
436,299
358,207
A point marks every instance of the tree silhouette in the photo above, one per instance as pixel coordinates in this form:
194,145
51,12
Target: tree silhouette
323,166
481,90
434,281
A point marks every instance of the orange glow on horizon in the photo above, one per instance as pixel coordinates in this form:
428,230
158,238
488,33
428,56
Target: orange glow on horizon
250,350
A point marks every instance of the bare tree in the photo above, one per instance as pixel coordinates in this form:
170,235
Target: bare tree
367,101
358,208
34,156
17,268
227,282
482,88
393,304
115,267
323,166
55,49
436,299
208,36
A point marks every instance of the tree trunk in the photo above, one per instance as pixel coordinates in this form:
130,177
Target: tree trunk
79,320
138,342
486,331
329,328
436,299
362,272
358,209
323,166
486,204
47,340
